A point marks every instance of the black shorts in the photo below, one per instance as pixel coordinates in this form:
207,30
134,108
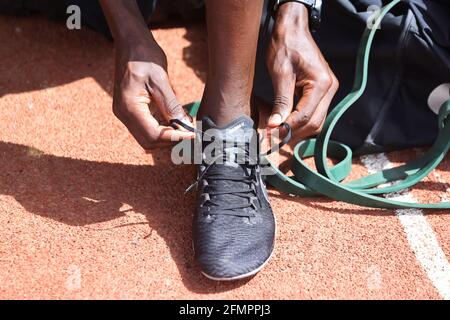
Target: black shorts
91,12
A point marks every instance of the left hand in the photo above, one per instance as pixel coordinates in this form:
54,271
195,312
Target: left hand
297,67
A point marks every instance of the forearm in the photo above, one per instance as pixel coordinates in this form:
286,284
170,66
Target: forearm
125,20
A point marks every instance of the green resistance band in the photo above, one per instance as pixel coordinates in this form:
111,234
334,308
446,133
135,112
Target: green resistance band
327,181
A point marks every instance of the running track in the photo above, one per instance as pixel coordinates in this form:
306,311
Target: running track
84,213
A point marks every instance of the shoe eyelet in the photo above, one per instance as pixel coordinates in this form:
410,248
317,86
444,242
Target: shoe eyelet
253,204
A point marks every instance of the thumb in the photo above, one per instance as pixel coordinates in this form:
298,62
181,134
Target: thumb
169,105
284,89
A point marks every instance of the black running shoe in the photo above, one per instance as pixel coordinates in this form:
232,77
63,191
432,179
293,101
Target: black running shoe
234,227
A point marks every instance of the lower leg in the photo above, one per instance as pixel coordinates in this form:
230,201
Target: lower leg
233,27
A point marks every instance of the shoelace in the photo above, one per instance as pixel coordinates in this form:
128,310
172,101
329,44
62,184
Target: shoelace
217,178
212,173
283,141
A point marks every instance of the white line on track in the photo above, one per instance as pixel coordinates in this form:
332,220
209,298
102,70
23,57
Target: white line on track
419,233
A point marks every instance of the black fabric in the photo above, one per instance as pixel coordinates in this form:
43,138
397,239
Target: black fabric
92,15
409,59
95,19
50,8
91,11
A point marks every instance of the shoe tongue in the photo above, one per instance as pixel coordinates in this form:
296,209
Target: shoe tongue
239,131
234,129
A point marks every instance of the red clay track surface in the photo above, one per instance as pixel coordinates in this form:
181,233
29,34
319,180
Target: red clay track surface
85,213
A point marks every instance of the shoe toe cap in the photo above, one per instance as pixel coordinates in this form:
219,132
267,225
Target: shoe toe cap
229,262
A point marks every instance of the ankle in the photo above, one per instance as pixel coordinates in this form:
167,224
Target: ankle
223,110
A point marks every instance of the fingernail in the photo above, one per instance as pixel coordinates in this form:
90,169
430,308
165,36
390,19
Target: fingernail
275,119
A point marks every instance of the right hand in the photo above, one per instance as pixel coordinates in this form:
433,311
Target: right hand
298,68
140,78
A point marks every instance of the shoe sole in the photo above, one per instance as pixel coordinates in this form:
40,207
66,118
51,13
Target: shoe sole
251,273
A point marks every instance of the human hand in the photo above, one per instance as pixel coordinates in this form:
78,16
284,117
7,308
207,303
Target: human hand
297,67
141,77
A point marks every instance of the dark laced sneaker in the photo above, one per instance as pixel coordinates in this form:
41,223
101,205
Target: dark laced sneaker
234,227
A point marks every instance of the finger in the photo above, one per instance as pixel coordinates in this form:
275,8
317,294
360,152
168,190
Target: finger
122,109
143,130
148,130
164,97
169,134
315,123
314,126
310,97
284,89
133,109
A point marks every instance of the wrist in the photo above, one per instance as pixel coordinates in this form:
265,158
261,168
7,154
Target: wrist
125,20
132,33
133,38
292,17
